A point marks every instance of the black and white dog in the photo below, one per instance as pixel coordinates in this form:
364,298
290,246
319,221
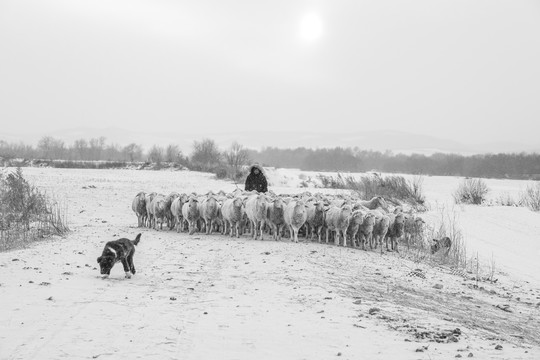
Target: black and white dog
118,250
439,244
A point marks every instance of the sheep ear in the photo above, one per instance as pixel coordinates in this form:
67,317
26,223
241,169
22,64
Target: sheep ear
99,259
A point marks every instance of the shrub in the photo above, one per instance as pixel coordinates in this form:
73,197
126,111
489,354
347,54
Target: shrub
471,191
330,182
448,225
506,199
531,197
69,164
26,214
393,188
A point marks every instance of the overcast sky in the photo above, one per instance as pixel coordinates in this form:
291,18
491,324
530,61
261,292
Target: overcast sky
463,70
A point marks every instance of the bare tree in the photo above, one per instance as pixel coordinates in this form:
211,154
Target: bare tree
236,157
173,154
13,150
155,154
80,147
97,146
51,148
206,154
112,153
132,152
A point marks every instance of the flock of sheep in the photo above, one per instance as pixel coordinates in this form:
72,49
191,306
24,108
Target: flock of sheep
346,219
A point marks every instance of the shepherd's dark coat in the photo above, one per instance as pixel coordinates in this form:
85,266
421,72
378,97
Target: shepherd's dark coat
256,182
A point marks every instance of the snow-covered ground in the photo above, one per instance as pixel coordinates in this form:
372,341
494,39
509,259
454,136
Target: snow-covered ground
212,297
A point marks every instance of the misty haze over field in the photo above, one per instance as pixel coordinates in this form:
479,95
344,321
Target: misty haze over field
423,76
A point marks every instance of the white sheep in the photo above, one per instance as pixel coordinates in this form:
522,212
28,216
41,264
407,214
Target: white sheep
295,216
337,220
138,205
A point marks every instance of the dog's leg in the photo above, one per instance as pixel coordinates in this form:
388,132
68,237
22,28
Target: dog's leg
130,263
126,268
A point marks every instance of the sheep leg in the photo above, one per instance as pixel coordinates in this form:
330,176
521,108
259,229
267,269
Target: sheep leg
226,227
232,227
291,233
327,230
208,226
252,229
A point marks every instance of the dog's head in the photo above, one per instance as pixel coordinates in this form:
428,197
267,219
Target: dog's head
439,244
106,263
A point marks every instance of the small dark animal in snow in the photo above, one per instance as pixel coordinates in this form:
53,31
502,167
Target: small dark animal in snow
439,244
118,250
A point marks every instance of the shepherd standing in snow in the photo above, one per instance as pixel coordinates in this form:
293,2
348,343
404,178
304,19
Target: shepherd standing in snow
256,180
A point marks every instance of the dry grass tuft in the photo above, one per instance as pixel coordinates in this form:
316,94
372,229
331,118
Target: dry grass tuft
471,191
531,197
393,188
27,214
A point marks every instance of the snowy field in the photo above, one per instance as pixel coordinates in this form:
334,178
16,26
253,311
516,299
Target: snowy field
213,297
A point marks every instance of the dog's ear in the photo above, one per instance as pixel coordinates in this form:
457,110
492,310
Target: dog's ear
99,259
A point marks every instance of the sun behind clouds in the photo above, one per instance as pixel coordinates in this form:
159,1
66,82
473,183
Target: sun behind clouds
310,27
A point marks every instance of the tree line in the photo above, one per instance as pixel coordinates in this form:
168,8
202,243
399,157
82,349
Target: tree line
205,155
231,162
502,165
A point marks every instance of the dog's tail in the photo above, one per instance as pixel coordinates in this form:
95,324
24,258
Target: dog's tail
137,239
